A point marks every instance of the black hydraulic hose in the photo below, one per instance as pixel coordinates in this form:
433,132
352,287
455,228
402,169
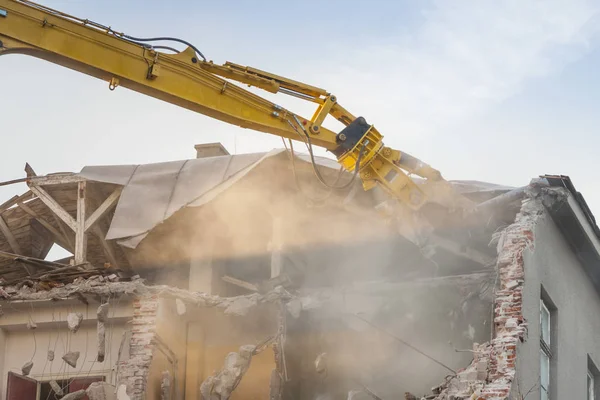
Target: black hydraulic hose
165,39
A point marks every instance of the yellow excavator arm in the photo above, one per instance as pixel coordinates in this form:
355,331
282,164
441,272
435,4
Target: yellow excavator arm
188,80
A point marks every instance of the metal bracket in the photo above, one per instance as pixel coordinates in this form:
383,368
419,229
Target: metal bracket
321,113
114,82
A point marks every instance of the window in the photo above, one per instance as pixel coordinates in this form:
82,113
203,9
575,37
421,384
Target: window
592,379
545,353
591,395
25,388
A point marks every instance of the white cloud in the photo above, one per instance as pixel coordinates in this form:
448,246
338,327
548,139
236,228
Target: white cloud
465,57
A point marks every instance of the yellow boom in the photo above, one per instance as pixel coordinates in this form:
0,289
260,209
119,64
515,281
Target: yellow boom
188,80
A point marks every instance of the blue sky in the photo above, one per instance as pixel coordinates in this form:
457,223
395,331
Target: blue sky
486,90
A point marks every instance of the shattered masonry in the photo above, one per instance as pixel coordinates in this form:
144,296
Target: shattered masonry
492,371
133,373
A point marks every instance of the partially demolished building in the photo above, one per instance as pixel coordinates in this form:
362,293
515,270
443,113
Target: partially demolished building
238,276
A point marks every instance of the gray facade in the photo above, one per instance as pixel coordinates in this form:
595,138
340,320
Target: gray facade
555,271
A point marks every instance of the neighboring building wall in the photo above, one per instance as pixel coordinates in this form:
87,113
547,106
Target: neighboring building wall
554,266
20,345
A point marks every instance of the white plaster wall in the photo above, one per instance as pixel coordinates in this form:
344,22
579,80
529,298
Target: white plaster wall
19,345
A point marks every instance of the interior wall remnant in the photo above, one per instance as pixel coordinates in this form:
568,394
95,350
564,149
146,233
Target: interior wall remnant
492,371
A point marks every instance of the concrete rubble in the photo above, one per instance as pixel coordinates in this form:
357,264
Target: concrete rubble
74,321
56,388
236,306
26,368
101,316
101,391
71,358
222,384
75,395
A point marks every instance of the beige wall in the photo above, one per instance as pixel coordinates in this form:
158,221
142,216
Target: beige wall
171,328
19,345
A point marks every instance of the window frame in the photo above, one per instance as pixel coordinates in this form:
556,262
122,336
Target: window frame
545,349
591,385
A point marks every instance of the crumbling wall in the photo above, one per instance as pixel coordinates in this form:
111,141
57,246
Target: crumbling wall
133,373
492,372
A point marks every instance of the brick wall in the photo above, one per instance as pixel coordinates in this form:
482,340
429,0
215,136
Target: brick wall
492,371
133,373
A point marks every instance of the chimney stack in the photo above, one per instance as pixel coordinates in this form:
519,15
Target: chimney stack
206,150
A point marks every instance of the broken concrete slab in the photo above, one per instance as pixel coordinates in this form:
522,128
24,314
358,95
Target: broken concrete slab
222,384
101,391
102,316
102,312
71,358
75,395
56,387
240,306
26,368
74,321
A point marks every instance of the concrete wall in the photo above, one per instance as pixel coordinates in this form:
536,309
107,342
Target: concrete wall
553,266
19,345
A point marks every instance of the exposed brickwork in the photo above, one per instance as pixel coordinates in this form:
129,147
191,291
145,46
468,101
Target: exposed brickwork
492,371
133,373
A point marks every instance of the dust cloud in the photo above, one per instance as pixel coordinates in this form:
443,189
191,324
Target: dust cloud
387,322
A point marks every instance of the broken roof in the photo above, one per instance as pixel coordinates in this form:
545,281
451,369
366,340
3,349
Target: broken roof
151,194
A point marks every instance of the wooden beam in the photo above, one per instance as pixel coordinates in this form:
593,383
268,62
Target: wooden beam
80,235
55,179
61,239
54,206
29,171
108,247
9,203
14,200
65,234
12,241
110,201
240,283
32,260
25,267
